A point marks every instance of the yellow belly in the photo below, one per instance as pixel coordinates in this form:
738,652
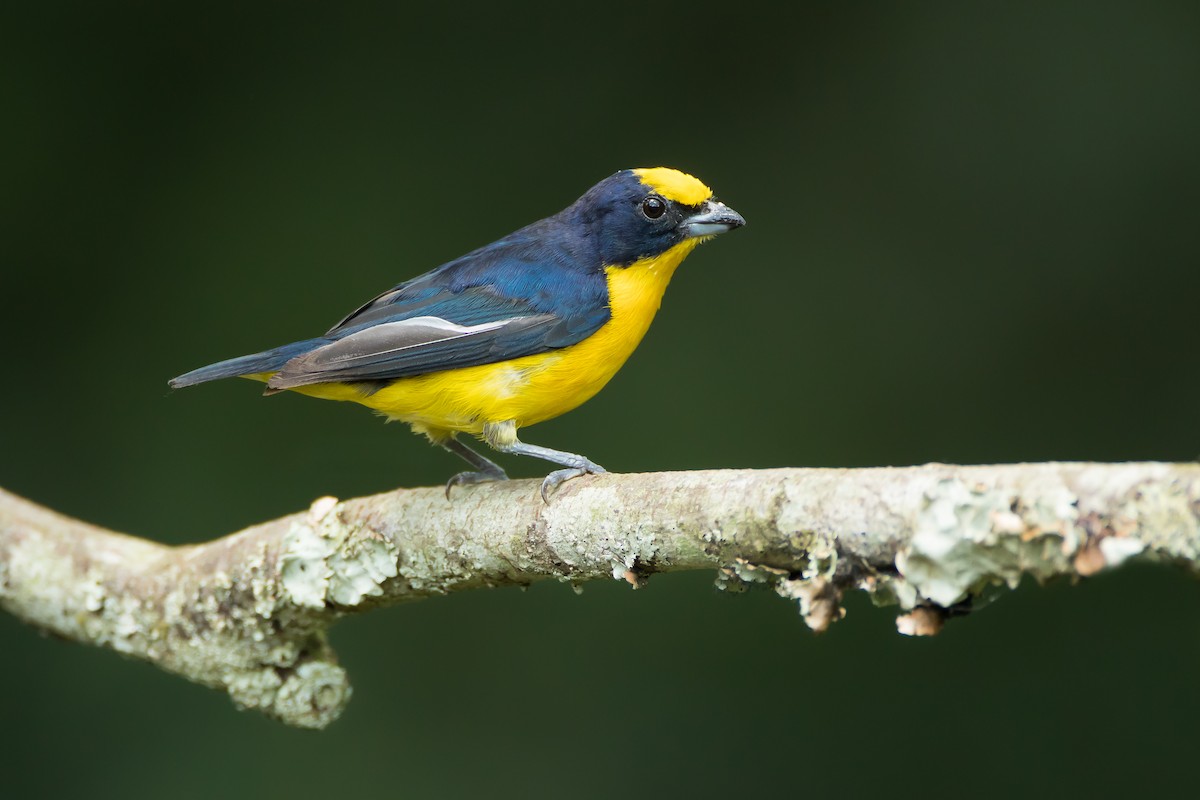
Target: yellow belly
533,388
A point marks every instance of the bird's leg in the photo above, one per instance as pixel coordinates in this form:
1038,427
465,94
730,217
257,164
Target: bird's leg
485,469
503,437
575,464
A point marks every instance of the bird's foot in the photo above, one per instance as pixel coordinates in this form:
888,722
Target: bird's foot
561,476
470,478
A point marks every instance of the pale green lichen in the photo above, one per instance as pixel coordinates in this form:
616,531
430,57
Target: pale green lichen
1117,550
822,561
592,539
359,569
314,695
304,569
126,622
963,540
638,552
262,583
325,560
282,653
1168,513
748,572
889,590
253,688
93,594
311,695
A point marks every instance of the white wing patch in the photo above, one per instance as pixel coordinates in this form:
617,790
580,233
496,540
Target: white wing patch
365,355
392,337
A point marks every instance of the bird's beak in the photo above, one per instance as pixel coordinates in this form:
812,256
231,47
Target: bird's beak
712,218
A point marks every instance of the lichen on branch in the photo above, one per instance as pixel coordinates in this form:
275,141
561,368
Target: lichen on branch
248,613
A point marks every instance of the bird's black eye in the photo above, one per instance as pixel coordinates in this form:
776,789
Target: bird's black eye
654,207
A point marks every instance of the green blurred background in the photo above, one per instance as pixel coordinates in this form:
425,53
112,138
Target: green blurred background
973,236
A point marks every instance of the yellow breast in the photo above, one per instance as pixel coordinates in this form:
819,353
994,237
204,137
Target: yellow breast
533,388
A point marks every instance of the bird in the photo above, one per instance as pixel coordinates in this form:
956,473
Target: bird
511,334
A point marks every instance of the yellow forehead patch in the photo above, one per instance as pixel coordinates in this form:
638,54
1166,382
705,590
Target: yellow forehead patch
674,185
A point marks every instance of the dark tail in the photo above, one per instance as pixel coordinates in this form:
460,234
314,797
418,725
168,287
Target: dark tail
266,361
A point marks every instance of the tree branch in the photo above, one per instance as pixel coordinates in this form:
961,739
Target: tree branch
248,613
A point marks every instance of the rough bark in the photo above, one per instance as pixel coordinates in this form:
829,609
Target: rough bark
248,613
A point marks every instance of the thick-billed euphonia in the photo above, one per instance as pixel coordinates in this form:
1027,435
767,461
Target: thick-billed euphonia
514,333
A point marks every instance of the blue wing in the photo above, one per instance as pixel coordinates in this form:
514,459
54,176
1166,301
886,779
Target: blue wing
516,297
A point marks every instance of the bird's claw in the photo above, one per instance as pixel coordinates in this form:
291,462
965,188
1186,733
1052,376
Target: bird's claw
470,478
560,476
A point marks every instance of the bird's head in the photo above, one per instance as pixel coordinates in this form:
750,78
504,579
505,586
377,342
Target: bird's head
640,213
